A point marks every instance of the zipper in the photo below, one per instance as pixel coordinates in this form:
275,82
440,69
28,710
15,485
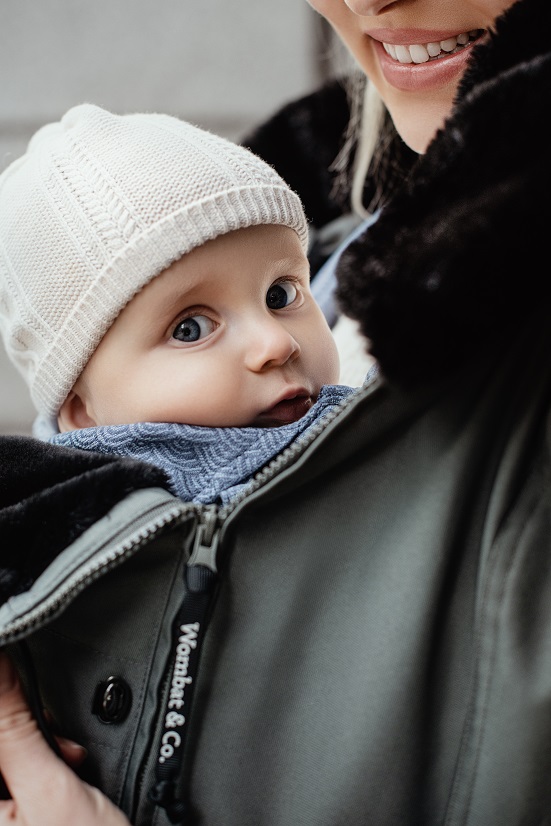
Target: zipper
200,580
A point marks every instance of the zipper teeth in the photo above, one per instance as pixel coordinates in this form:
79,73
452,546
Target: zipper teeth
292,452
90,571
143,768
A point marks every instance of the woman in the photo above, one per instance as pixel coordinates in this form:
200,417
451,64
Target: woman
347,147
380,649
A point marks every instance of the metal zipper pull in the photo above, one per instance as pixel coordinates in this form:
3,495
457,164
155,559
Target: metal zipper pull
205,545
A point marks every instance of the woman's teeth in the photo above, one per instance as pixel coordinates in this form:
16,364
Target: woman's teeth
422,53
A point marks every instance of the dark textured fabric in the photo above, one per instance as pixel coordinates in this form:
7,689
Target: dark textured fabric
301,141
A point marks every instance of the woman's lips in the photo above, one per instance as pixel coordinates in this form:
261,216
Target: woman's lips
423,76
286,411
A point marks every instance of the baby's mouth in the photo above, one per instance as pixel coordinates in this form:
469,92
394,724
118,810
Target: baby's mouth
286,411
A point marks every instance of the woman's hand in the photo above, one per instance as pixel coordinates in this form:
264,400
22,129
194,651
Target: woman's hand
44,790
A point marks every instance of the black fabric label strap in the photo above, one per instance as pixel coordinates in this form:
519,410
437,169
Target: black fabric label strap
187,635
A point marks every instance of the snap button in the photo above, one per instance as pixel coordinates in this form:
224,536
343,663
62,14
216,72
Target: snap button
112,700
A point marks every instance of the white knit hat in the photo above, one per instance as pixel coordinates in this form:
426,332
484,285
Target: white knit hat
98,206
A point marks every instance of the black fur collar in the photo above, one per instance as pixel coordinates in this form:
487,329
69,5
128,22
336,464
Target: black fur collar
459,257
49,495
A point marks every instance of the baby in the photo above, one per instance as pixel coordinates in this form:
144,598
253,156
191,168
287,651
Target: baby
155,296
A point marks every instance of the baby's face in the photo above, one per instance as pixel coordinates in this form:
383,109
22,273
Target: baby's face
229,335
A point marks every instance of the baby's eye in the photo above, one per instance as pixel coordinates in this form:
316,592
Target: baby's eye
193,328
280,295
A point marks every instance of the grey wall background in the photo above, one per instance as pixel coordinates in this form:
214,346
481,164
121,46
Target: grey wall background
225,65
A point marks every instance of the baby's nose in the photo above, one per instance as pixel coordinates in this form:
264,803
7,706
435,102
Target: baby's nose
270,345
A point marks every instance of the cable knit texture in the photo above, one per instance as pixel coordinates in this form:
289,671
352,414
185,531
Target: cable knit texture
99,205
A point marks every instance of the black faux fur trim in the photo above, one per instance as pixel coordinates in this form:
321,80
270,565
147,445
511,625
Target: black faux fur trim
458,259
301,141
49,496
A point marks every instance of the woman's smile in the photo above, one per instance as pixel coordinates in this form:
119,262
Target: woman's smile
433,50
413,61
414,52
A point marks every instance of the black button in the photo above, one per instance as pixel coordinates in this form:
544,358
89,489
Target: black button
112,700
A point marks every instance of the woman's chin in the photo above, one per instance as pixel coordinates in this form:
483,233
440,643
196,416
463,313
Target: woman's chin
418,125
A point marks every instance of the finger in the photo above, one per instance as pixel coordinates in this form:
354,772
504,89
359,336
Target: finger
47,793
19,734
73,753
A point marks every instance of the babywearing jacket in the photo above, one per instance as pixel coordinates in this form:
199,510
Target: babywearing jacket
373,617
